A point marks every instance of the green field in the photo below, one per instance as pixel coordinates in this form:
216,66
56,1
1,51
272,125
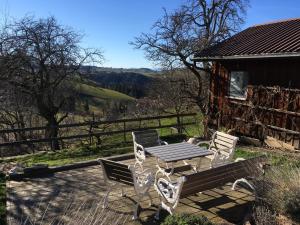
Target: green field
101,93
96,97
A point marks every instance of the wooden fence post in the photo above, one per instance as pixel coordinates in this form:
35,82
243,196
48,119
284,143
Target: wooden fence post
124,135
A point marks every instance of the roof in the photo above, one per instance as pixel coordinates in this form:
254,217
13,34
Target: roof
277,39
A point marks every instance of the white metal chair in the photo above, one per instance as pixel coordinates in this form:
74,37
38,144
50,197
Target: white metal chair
144,139
223,145
115,174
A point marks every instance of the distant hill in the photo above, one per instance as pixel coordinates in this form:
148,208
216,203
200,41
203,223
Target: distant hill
102,93
133,82
94,97
144,71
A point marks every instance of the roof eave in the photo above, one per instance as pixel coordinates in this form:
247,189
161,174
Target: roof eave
256,56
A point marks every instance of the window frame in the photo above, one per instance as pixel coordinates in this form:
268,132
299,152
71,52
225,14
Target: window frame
229,85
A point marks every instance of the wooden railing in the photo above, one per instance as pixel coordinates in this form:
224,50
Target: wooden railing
93,129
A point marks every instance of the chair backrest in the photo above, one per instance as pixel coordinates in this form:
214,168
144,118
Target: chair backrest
223,142
146,138
116,171
221,175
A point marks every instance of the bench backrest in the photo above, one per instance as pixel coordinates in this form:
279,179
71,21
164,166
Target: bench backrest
221,175
223,142
146,138
116,171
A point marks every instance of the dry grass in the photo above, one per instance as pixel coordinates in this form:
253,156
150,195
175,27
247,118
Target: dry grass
281,191
264,216
75,213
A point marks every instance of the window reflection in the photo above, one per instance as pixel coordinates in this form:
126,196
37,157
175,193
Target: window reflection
238,84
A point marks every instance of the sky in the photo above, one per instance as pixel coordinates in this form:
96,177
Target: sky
111,24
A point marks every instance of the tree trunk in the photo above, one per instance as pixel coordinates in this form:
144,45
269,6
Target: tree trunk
179,126
52,132
205,126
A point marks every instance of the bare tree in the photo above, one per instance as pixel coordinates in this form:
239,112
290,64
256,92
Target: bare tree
40,58
196,25
169,92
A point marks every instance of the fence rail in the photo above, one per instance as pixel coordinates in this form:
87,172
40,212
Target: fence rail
92,129
95,123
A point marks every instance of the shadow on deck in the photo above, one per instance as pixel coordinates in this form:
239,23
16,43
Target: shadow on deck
47,198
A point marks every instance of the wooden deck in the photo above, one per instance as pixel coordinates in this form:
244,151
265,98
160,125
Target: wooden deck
85,188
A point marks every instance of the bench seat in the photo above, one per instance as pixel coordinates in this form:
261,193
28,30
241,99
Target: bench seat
171,192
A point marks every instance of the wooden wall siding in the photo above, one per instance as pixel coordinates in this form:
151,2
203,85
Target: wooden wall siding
273,111
219,89
253,118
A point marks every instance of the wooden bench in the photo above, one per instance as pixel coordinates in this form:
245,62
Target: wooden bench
171,192
115,174
143,139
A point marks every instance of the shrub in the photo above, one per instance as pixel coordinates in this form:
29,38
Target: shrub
185,219
281,190
292,204
264,216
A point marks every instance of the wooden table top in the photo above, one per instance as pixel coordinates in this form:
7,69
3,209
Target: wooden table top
178,151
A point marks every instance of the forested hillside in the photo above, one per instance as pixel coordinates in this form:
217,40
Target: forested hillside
133,82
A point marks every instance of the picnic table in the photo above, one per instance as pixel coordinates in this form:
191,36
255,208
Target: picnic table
177,152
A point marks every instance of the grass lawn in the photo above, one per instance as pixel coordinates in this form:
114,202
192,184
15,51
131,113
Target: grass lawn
2,199
275,158
67,156
84,153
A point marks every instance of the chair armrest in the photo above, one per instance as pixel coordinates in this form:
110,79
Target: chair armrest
239,159
142,171
139,146
163,142
169,190
203,142
144,177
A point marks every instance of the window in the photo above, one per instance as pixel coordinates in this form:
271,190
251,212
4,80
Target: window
238,84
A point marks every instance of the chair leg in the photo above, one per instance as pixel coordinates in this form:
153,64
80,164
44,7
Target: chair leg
135,211
122,192
242,180
150,199
197,167
158,212
105,202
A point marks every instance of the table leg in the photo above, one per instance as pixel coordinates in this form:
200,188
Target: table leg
196,167
199,162
172,168
161,169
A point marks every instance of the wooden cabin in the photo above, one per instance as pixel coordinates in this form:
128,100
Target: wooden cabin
255,82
